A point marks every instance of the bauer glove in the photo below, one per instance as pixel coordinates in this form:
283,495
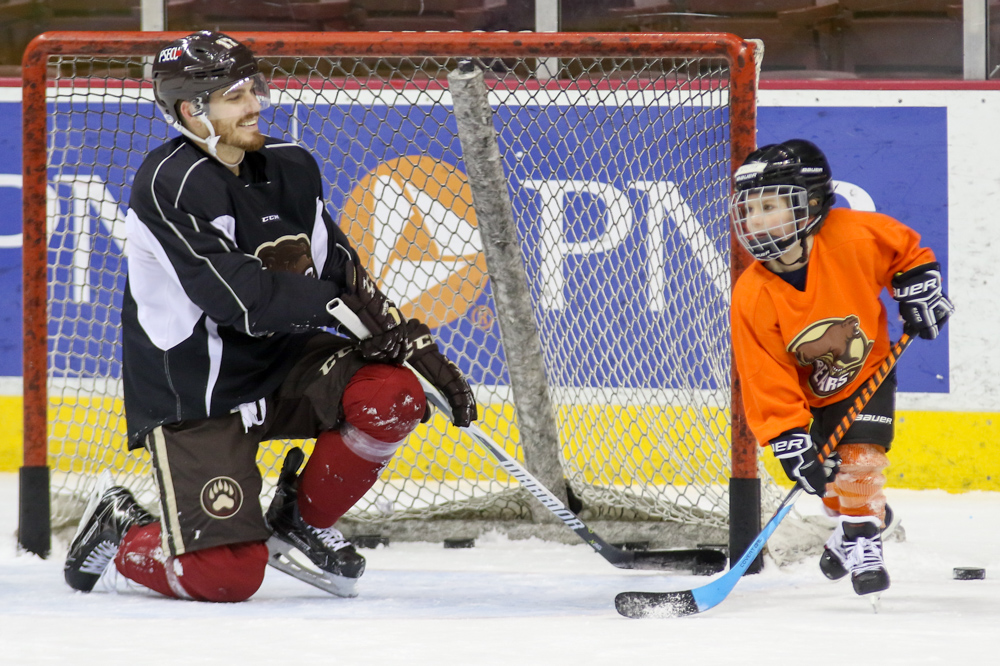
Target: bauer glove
923,306
799,457
427,359
388,343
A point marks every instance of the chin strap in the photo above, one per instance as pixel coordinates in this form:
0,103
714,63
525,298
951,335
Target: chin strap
210,143
803,258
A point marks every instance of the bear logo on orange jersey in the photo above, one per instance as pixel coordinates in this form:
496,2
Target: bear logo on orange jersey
835,348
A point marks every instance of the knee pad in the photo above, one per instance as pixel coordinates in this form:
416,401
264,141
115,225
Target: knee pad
229,573
222,573
384,402
859,482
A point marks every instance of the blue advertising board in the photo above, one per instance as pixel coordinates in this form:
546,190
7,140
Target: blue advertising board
600,261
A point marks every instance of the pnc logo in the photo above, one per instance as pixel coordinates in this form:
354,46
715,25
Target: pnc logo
415,230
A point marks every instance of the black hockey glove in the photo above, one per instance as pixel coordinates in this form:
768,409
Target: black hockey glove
923,306
427,359
380,316
800,460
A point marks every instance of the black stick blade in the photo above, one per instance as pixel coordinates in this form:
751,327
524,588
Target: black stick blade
698,561
640,605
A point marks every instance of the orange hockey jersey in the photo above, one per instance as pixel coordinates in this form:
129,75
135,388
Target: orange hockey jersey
800,349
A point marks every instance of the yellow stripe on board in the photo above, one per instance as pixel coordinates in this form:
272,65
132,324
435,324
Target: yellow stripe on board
953,451
11,433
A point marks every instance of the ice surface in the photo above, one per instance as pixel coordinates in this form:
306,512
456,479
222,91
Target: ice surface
520,603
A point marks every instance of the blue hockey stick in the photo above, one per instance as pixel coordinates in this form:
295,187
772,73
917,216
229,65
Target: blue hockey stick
700,599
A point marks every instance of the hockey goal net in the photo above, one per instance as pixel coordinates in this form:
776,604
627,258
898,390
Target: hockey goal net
618,151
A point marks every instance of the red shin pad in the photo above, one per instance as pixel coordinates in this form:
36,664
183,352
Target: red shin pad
223,573
384,402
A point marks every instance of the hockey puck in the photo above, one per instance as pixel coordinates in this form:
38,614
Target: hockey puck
459,542
968,573
369,541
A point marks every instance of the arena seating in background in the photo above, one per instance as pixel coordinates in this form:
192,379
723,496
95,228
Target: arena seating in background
795,32
18,24
432,14
822,38
917,38
803,38
90,14
275,15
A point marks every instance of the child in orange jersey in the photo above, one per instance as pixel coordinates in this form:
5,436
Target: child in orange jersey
809,330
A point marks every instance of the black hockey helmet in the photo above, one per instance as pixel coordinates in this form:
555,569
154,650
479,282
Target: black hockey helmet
193,67
796,170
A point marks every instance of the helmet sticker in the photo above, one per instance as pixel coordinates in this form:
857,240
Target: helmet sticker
170,53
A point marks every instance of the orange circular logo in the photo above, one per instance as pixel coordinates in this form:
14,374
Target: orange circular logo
415,230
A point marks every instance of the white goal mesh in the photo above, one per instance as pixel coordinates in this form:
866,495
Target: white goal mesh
618,169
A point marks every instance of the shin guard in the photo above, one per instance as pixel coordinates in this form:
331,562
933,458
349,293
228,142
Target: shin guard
382,405
858,485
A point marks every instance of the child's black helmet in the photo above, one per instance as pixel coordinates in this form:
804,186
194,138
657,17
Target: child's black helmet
796,170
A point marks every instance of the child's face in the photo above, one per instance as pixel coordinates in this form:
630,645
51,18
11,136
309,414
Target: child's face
770,213
767,219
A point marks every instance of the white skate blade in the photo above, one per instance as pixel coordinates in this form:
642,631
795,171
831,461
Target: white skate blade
290,560
894,531
876,601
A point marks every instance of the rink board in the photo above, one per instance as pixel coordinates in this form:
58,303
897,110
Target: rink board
923,156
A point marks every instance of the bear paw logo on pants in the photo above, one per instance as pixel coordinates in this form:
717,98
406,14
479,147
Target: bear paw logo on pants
414,227
836,348
221,497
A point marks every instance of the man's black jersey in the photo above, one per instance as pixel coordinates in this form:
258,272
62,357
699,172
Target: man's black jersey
222,286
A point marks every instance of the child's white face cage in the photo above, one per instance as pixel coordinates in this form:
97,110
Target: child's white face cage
768,219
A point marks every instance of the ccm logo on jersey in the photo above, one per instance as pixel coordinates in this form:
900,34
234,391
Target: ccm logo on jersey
874,418
269,218
170,53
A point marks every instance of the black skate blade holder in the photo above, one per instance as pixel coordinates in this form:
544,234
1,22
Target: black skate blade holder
283,557
290,468
287,558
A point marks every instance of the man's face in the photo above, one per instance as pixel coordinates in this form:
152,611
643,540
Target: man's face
234,113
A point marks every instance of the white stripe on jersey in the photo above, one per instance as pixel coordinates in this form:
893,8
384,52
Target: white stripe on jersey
211,267
320,239
164,310
214,361
185,178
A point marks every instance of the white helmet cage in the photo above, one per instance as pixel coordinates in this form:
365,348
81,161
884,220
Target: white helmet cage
768,220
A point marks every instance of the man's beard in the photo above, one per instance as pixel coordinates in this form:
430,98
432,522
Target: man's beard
231,137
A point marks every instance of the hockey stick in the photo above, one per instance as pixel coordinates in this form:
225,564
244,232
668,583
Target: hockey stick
700,561
700,599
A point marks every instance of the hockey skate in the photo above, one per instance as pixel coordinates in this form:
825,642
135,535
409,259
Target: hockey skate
833,561
863,541
111,512
320,557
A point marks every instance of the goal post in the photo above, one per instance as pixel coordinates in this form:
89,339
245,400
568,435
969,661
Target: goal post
619,169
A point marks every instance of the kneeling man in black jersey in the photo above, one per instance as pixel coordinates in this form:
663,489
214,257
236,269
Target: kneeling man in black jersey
234,271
